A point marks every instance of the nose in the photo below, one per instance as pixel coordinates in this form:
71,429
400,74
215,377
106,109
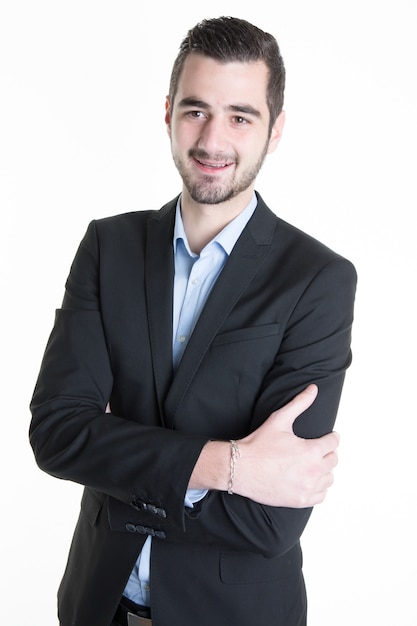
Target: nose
213,137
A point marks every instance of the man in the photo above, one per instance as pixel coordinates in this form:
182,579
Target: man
198,351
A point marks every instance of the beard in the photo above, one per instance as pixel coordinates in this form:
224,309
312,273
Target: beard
209,189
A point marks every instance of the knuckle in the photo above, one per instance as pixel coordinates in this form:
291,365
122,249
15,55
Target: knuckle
334,457
321,496
303,501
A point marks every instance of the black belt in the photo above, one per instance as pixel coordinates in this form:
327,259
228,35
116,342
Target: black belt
131,614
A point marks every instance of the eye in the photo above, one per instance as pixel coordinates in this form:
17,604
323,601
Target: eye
239,120
195,114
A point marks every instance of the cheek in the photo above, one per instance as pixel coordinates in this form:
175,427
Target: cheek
250,150
183,138
178,135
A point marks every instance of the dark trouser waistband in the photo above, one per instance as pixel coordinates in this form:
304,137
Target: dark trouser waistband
131,614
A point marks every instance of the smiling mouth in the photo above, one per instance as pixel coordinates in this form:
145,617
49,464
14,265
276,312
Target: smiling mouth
213,166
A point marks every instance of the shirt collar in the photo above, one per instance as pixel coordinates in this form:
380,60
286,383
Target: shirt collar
226,237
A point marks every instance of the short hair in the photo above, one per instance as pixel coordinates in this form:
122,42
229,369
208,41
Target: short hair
229,39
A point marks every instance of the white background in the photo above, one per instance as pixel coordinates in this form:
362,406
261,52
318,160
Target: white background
82,136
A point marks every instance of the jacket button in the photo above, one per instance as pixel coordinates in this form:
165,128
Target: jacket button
141,529
160,534
137,504
156,510
130,528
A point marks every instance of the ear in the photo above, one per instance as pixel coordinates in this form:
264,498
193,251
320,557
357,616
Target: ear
168,115
276,132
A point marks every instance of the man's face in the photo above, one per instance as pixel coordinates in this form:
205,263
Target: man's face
219,127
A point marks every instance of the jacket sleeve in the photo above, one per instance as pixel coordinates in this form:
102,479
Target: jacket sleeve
72,435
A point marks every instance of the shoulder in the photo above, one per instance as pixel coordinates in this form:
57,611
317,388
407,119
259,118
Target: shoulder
122,221
297,247
128,227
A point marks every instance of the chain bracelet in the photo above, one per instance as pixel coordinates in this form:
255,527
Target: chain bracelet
234,455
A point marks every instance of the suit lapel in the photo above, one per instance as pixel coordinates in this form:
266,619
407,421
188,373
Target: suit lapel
248,255
159,290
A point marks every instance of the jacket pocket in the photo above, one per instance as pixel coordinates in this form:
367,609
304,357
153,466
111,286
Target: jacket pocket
247,334
240,569
91,505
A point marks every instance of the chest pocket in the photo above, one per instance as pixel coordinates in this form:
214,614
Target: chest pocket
220,400
247,334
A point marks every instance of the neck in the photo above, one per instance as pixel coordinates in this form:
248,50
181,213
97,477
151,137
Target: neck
202,222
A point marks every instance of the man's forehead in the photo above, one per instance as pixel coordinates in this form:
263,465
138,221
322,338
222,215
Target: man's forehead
237,83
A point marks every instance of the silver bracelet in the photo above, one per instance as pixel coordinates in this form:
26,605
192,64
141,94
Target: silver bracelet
234,455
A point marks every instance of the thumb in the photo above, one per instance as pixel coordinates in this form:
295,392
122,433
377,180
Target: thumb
287,414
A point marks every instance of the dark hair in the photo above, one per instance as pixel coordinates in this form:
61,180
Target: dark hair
228,39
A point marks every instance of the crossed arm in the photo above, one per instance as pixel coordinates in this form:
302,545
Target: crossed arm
275,467
279,475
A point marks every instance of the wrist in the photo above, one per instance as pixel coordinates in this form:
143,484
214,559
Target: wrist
212,470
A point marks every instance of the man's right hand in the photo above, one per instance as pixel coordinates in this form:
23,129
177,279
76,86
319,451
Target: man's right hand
275,467
278,468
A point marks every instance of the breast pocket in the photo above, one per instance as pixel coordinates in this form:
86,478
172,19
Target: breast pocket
253,333
229,379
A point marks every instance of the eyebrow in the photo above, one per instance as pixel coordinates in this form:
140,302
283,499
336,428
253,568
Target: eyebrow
246,109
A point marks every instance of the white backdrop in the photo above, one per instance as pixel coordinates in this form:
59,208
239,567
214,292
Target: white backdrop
82,136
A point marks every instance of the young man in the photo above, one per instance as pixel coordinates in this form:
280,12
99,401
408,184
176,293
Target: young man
193,375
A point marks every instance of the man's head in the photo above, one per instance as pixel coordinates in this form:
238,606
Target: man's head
224,110
228,39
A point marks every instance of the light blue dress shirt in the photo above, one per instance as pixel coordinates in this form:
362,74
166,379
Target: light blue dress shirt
194,278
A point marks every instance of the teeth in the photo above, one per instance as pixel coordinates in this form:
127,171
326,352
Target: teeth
213,165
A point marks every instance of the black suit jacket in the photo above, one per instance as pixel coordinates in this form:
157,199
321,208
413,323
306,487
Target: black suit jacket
278,318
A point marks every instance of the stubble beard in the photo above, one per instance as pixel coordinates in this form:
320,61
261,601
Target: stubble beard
208,189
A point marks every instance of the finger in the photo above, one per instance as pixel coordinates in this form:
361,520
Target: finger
327,481
327,444
322,489
330,461
319,498
300,403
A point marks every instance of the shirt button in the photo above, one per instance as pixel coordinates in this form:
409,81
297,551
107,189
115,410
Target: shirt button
182,338
196,282
147,587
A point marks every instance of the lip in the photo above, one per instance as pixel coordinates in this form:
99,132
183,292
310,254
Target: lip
212,167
